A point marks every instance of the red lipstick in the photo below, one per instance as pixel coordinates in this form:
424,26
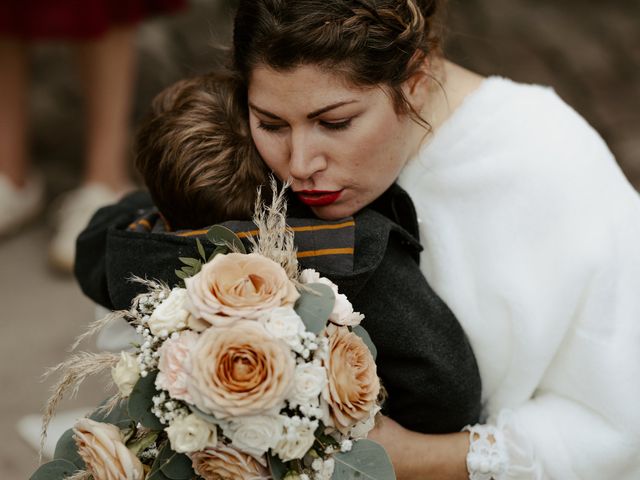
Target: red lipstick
318,198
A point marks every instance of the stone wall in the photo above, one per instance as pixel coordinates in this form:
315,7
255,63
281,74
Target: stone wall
588,51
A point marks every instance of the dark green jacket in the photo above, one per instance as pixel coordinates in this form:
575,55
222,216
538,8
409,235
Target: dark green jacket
424,359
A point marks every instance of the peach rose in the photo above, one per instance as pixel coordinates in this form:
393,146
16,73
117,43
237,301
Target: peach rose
107,458
240,370
226,463
235,286
353,385
174,365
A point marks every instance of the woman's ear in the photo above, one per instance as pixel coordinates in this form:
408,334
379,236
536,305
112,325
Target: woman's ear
416,87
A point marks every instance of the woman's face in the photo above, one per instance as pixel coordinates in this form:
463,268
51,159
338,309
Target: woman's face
341,146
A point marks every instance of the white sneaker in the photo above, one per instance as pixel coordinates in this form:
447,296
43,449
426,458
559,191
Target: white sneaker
18,206
72,216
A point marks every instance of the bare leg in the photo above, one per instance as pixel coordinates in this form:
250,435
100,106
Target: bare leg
107,70
14,160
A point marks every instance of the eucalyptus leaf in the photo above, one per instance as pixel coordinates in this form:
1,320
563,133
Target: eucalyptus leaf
54,470
218,251
207,417
364,335
367,460
66,449
315,306
222,236
201,251
192,262
178,467
143,443
171,465
118,416
277,467
180,274
141,401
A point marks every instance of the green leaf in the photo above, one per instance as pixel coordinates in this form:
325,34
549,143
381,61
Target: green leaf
314,307
171,465
364,335
143,443
217,251
367,460
222,236
192,262
201,251
119,416
141,401
277,467
54,470
180,274
66,449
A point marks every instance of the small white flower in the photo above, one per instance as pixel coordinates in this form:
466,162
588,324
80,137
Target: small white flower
284,323
254,434
327,469
308,382
170,315
346,445
191,434
126,373
298,438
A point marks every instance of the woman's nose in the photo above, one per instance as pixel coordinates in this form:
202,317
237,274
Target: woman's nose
305,157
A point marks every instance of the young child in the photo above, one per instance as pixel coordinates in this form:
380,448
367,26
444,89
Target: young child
197,159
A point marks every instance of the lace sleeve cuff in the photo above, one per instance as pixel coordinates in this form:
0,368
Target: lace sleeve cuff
501,451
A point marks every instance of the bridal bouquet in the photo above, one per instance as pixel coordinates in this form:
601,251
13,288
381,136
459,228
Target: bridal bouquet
251,370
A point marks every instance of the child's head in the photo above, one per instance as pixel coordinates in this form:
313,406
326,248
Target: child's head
196,155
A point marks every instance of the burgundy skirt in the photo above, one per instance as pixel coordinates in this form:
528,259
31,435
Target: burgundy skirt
75,19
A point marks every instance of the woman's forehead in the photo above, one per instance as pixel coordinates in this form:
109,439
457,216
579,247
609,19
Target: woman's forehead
308,85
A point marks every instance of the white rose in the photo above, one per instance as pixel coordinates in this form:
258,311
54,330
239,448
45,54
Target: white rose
126,373
298,438
308,382
170,315
361,430
342,313
255,434
284,323
191,434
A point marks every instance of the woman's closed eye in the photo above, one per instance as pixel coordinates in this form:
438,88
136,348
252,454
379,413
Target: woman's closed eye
270,127
339,125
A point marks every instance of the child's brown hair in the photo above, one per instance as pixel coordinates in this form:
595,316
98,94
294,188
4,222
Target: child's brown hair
195,153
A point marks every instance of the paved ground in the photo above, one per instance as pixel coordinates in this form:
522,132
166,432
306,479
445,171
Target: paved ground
589,51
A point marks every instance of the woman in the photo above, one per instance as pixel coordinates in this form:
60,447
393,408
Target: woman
530,229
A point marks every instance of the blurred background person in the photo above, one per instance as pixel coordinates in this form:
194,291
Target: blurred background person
102,33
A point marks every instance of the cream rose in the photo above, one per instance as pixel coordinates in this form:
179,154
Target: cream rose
174,365
353,385
236,286
226,463
284,323
298,438
170,315
309,381
126,373
240,370
191,433
254,435
107,458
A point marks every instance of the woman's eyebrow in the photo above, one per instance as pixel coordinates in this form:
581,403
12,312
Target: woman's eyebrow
329,107
312,115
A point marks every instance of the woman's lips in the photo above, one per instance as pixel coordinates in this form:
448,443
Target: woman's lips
318,198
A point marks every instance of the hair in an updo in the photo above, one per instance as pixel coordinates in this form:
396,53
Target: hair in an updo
369,42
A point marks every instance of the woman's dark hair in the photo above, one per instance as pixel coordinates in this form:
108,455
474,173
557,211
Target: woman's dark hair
371,42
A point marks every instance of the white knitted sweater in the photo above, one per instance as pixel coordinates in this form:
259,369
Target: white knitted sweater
532,237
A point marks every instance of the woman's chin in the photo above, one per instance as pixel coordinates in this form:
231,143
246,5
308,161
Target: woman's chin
331,212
